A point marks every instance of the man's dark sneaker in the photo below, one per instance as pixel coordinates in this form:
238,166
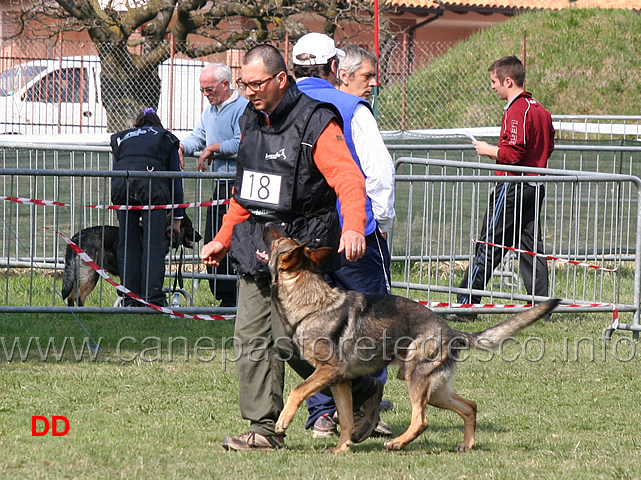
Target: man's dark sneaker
383,429
254,441
367,416
129,302
386,405
324,427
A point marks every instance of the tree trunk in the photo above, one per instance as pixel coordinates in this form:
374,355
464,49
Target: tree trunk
129,84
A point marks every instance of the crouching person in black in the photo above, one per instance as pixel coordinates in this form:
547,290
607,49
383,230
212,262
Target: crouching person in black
141,251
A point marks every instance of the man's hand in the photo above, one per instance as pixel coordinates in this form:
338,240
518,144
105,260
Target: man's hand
212,253
173,231
207,156
353,244
181,155
175,226
484,148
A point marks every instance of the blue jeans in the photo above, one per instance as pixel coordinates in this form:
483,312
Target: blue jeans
370,275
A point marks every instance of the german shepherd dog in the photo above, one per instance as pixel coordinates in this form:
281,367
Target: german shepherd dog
347,334
101,244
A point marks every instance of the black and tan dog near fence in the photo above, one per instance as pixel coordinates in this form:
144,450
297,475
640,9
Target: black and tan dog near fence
101,244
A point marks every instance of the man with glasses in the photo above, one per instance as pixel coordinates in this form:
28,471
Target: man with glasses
292,164
217,135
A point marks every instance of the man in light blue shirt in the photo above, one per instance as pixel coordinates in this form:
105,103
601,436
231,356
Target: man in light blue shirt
217,135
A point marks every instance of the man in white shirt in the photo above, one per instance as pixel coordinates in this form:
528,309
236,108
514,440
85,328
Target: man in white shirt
357,71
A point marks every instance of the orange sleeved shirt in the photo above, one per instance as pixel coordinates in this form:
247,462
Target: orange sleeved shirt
333,160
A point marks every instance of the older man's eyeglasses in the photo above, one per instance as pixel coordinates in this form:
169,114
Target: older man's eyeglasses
254,86
209,90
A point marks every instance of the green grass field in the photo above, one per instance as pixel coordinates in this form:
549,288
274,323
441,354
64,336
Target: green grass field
553,404
158,397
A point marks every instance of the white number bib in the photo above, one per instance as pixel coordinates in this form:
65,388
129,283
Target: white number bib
261,187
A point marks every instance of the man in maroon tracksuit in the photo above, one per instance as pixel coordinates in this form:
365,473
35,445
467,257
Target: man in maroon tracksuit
512,217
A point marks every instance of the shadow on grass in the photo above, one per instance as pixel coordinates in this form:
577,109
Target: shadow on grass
427,442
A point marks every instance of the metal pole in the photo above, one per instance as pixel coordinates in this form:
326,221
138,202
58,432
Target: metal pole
378,58
172,54
524,54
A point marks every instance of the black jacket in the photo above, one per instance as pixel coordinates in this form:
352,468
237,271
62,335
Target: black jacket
278,181
142,149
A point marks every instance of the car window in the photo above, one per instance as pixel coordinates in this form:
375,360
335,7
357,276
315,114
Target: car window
14,79
65,85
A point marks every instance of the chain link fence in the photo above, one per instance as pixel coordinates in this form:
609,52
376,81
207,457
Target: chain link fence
75,87
78,88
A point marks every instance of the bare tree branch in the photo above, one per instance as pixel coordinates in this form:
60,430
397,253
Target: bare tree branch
198,28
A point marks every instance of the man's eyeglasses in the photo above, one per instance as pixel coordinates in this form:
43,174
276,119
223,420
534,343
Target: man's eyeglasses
209,90
254,86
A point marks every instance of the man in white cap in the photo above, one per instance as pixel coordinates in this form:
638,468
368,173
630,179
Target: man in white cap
315,59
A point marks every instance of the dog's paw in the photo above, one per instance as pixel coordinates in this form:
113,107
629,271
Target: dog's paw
340,449
393,445
278,428
463,447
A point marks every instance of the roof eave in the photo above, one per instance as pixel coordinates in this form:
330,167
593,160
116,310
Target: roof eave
483,10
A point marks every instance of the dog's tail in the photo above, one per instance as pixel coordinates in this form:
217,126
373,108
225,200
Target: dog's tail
492,337
69,274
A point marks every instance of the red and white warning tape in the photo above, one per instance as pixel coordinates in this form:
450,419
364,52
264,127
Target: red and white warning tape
615,310
161,207
121,288
549,257
31,201
49,203
100,271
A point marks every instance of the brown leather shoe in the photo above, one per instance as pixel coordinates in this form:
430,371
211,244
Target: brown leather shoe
254,441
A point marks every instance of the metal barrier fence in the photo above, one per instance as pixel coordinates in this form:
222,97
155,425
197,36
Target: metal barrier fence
50,189
590,225
609,128
625,160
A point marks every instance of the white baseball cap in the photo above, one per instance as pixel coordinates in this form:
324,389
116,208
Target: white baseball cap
319,47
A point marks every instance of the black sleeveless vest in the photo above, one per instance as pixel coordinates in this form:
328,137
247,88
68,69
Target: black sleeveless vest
277,180
142,149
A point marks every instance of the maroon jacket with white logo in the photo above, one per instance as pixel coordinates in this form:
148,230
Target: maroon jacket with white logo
527,134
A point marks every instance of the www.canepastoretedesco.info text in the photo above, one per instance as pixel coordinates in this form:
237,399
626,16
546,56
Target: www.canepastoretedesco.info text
230,349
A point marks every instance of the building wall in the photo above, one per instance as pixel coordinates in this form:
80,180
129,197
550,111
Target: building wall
451,27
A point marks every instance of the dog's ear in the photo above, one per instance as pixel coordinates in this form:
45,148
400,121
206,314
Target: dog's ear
319,255
293,256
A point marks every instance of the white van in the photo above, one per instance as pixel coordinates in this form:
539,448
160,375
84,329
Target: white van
46,97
